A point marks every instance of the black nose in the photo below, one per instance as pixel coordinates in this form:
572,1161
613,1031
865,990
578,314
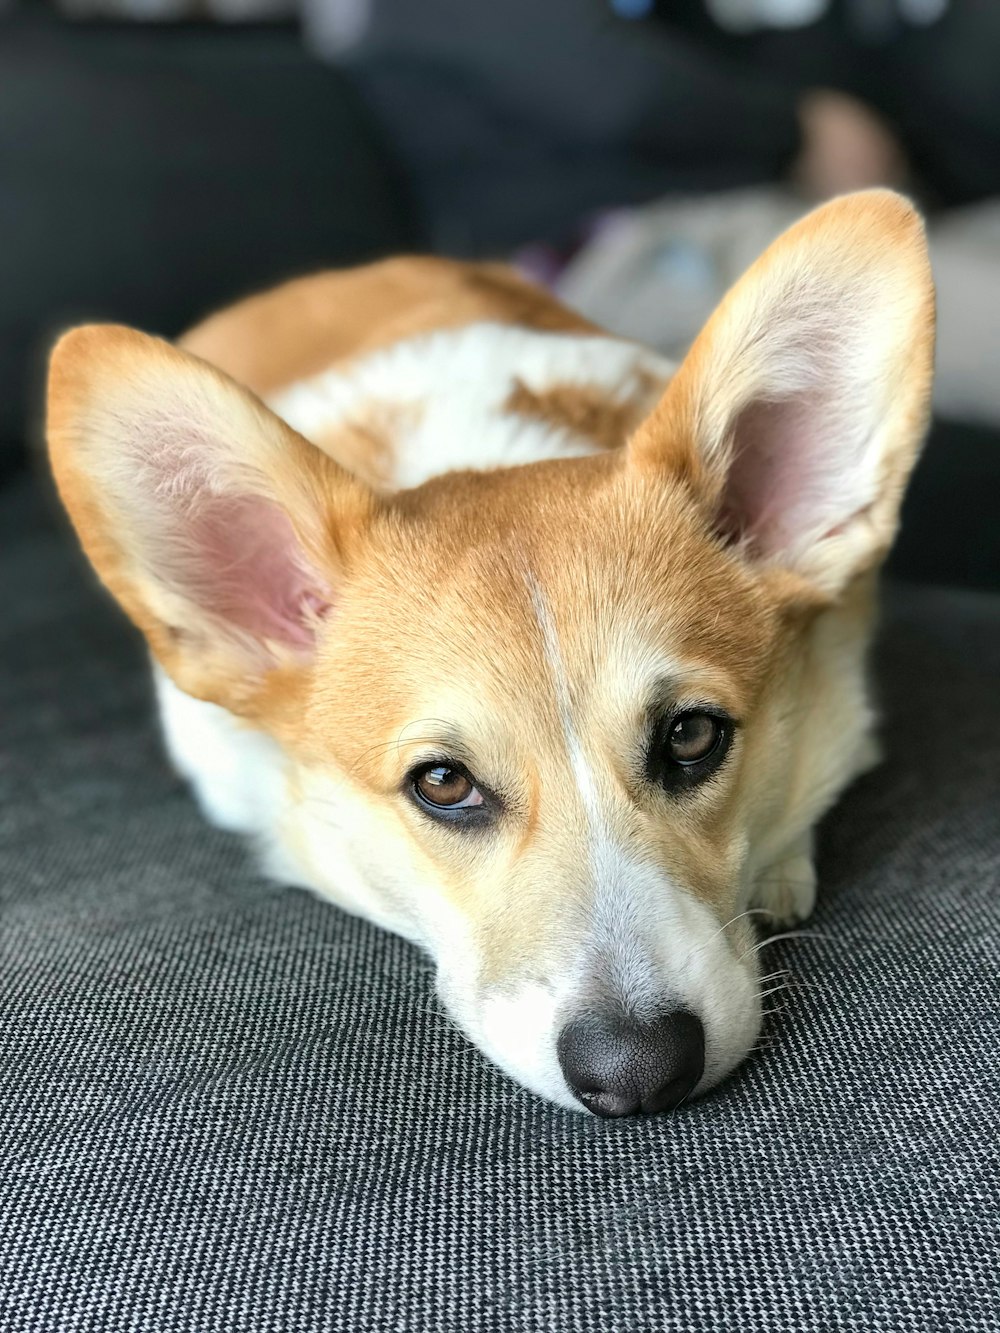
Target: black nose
616,1066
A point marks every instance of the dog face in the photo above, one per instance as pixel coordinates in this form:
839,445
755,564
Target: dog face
535,754
557,722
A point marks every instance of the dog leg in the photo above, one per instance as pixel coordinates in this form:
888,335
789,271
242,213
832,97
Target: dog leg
787,887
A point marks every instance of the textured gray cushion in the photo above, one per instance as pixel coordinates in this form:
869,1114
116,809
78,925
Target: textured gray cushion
230,1107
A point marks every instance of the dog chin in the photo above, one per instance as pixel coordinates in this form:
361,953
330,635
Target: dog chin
517,1031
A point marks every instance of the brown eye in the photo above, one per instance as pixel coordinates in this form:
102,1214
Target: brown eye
692,737
687,748
446,788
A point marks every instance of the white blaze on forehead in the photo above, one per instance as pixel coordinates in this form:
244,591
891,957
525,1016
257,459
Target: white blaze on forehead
582,771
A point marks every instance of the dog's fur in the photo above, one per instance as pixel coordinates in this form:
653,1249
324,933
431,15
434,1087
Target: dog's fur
470,526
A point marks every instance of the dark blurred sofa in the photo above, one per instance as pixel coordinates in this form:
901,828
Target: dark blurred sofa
150,175
228,1106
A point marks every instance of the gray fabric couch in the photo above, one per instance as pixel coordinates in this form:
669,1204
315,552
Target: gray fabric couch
228,1106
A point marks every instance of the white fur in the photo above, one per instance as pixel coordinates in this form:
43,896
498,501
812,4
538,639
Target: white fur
447,390
236,771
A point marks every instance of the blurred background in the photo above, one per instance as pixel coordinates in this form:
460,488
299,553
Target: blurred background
161,157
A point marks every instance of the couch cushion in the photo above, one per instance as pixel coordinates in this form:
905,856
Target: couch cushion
229,1106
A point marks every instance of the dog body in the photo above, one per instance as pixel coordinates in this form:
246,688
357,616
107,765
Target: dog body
495,630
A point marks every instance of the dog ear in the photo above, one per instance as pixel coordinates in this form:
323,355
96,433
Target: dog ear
220,531
799,411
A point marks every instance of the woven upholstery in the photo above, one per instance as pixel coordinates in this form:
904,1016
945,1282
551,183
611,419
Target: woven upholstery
226,1106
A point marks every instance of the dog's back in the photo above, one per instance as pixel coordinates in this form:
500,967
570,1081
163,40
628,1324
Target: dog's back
412,367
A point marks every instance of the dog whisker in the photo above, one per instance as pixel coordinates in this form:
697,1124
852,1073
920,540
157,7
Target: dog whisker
750,911
788,935
401,739
774,990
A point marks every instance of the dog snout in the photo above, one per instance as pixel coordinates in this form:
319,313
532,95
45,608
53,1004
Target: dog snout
619,1066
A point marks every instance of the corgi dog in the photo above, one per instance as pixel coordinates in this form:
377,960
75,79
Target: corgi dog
513,638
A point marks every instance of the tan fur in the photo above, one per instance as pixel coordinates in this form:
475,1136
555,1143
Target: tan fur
310,324
366,445
586,411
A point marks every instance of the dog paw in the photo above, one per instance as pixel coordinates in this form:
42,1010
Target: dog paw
786,891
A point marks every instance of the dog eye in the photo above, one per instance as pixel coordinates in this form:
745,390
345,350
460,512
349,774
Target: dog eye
692,737
687,748
444,788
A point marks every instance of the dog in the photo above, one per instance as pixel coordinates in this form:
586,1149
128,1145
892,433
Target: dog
509,636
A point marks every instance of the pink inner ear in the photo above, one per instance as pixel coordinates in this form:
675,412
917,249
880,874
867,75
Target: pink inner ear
244,564
796,474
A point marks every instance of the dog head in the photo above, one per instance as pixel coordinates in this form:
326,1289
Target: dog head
553,722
